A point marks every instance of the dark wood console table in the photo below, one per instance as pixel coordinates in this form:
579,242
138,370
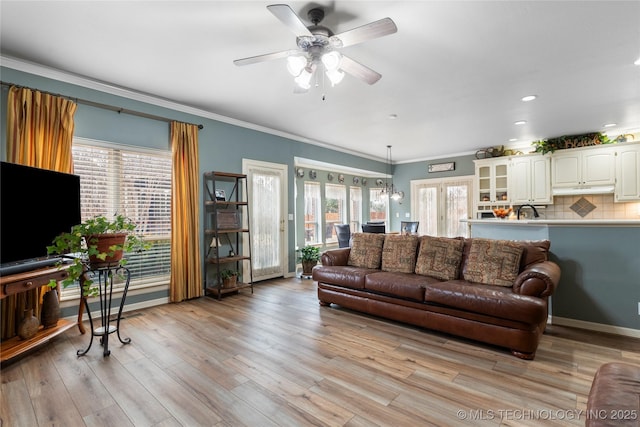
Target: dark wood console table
22,282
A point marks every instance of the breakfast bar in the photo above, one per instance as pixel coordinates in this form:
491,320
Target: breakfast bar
600,261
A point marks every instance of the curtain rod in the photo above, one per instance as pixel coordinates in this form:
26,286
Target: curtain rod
118,110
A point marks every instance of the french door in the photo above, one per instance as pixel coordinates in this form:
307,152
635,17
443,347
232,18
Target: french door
440,204
267,206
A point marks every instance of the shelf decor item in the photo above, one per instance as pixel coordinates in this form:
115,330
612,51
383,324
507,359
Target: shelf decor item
229,278
96,243
29,325
50,311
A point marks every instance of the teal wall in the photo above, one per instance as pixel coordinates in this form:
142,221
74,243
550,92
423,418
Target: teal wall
222,146
403,174
600,266
600,280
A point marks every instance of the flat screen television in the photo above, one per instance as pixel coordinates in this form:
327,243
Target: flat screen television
35,206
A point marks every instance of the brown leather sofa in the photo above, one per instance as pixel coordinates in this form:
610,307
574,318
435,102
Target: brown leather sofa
614,398
513,315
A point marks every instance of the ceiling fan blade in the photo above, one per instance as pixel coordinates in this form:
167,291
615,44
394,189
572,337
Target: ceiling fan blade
265,57
370,31
359,71
289,18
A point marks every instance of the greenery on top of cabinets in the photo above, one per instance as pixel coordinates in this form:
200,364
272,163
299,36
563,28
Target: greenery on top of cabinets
570,141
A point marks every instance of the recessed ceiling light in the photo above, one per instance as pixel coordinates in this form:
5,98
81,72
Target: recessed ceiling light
520,122
513,139
636,62
392,116
529,98
609,125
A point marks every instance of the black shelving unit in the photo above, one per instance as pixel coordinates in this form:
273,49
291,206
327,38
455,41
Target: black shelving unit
227,233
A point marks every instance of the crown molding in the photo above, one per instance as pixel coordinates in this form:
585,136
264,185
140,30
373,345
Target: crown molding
78,80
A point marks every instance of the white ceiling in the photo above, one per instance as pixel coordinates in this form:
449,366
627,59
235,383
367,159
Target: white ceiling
454,73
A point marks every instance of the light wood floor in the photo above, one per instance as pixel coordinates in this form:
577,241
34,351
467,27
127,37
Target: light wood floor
276,358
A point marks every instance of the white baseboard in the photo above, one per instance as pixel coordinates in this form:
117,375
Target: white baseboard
599,327
129,307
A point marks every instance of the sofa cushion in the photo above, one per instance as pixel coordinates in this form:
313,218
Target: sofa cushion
366,250
493,301
493,262
347,276
402,285
533,252
439,257
399,253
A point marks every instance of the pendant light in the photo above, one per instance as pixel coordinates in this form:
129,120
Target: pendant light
389,189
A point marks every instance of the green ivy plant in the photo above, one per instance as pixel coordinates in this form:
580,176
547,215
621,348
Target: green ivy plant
228,273
78,242
570,141
310,253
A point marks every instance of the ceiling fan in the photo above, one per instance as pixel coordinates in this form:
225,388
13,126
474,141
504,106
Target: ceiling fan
319,47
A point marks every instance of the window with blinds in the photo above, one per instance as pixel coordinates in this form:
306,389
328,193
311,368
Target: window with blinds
312,213
136,183
335,210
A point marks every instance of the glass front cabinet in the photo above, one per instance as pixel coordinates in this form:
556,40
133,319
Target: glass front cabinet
492,181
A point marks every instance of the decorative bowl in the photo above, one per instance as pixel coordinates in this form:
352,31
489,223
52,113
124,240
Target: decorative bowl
502,213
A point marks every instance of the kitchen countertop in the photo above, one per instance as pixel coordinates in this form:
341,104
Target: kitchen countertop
552,222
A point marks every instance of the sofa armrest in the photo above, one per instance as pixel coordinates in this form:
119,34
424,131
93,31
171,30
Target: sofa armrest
335,257
538,280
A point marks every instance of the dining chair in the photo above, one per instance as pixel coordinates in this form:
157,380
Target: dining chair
373,228
343,233
409,227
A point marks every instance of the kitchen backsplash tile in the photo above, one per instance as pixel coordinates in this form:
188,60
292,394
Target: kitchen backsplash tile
605,208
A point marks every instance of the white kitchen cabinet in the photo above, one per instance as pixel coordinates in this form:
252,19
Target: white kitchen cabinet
582,168
530,179
627,186
492,181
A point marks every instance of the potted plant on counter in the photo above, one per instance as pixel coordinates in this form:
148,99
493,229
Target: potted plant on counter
309,256
96,243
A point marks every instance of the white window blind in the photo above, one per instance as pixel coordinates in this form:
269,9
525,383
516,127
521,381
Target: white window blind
312,212
440,204
378,205
135,183
335,209
356,208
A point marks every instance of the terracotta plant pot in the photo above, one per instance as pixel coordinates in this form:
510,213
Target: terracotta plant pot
104,242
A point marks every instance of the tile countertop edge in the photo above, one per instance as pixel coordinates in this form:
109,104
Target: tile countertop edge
552,222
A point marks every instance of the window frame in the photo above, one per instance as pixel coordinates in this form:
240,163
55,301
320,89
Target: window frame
145,282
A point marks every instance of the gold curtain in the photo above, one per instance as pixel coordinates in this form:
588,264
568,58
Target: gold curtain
40,134
186,260
40,129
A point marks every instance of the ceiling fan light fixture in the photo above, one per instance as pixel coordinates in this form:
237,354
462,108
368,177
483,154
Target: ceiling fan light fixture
331,60
304,79
295,64
334,76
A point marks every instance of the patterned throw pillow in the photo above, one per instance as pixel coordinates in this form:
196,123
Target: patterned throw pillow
399,253
366,250
439,257
493,262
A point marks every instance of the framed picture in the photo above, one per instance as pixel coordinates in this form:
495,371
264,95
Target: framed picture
220,195
442,167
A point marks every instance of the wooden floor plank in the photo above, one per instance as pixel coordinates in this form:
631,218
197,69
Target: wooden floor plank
277,358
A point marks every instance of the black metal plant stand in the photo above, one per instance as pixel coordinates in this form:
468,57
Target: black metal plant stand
103,279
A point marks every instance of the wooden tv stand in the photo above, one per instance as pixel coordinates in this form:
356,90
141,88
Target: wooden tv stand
22,282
